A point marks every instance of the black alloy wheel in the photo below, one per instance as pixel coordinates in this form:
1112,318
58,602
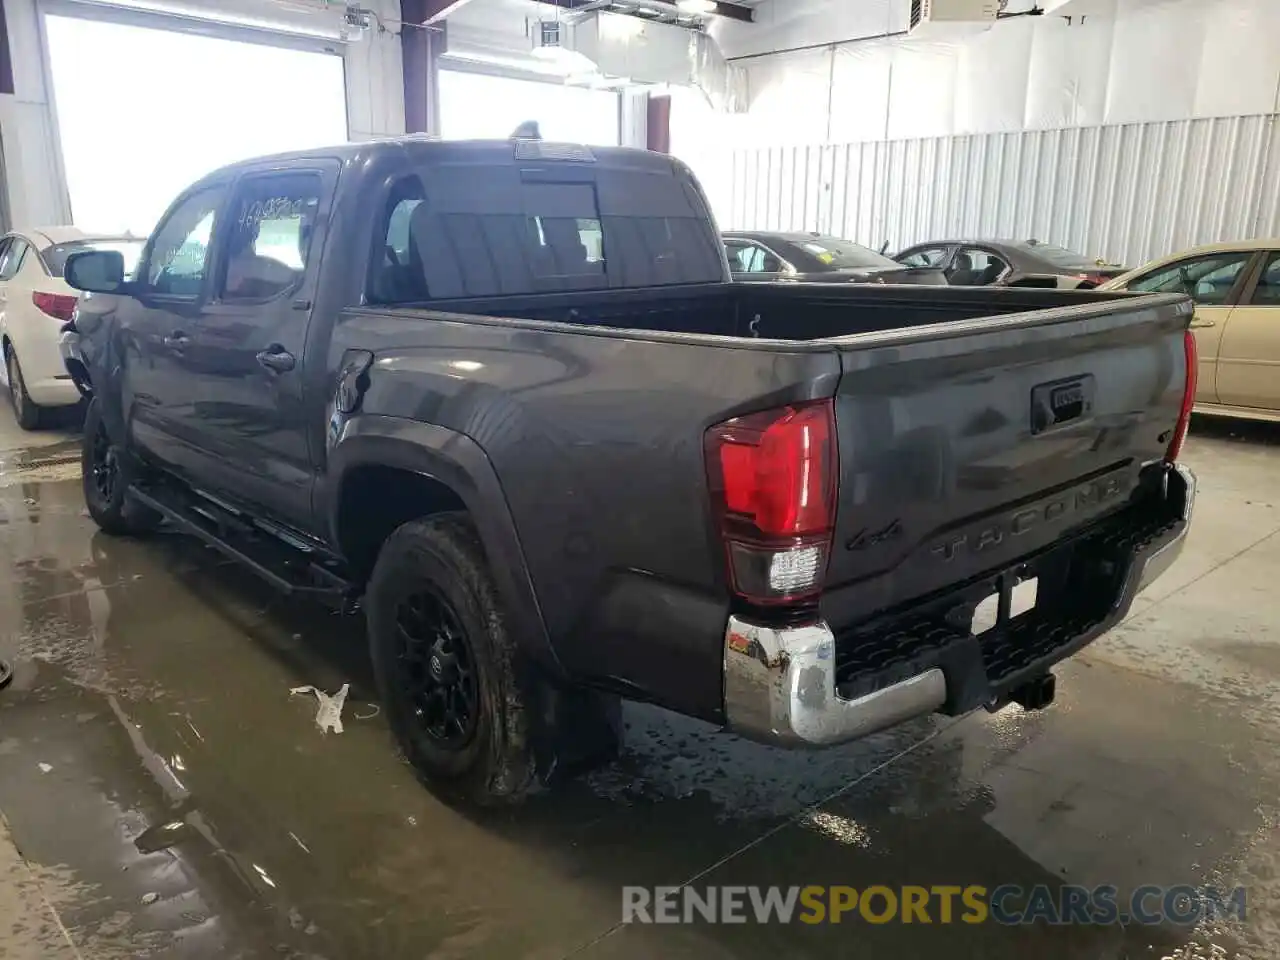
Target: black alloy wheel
106,465
437,669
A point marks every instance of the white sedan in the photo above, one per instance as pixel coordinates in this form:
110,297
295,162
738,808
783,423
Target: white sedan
1236,287
34,304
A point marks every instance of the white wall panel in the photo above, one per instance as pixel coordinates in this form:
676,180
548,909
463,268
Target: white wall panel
992,78
790,96
1239,69
863,116
1067,76
1155,59
1150,61
921,90
1124,192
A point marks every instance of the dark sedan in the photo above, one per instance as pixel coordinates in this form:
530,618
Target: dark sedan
812,257
1010,263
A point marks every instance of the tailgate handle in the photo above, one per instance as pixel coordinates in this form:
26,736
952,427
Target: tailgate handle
1061,402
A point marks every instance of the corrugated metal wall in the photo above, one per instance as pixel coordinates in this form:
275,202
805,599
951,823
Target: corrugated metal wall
1126,193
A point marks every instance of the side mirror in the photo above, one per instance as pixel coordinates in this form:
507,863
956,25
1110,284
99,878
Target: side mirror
96,271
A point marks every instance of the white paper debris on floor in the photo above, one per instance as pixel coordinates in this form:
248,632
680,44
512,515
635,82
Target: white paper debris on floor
44,767
329,713
149,898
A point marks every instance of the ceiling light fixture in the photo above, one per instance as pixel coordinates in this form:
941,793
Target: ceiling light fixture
696,6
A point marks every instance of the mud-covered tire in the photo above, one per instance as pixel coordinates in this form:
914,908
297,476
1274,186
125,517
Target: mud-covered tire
441,558
26,411
107,500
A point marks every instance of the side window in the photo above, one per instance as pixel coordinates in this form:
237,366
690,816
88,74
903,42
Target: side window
272,220
15,250
983,266
928,257
1267,293
17,257
180,248
973,267
1207,280
397,251
743,257
748,258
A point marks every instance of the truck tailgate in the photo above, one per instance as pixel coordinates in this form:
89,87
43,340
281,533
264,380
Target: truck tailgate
966,446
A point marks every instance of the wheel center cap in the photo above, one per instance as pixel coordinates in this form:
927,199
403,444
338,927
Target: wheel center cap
436,665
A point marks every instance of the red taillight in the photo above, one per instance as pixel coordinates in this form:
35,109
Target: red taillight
1188,398
773,482
60,306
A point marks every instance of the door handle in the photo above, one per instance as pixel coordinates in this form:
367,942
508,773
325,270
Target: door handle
1203,324
177,340
277,359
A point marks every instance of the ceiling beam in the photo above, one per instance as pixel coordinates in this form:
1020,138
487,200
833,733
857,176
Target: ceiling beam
731,11
429,11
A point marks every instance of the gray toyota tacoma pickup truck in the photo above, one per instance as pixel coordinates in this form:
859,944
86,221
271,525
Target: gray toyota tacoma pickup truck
503,398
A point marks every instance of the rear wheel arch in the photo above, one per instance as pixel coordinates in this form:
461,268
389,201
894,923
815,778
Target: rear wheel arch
441,472
375,499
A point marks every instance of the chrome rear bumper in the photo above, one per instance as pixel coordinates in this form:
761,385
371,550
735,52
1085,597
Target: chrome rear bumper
780,687
780,682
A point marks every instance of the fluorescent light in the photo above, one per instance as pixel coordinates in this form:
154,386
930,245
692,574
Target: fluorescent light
696,6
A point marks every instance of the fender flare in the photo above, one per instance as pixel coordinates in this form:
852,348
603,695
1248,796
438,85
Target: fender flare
458,462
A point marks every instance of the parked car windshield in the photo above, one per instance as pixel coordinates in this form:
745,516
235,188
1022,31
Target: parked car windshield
845,255
56,256
1058,256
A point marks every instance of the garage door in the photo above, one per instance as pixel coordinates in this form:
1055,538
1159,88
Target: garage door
569,114
143,112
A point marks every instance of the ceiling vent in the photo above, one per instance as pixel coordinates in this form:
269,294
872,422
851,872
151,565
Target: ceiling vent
951,18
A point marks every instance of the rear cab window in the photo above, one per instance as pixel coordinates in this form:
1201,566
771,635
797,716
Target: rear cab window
454,230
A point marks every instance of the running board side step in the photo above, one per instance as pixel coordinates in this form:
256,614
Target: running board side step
272,563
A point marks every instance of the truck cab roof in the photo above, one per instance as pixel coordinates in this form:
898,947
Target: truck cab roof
420,149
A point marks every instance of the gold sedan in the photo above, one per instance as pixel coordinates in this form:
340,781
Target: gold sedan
1236,287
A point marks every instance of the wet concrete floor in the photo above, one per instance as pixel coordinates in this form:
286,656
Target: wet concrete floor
162,794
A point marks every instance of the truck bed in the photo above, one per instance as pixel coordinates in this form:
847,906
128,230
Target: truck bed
780,311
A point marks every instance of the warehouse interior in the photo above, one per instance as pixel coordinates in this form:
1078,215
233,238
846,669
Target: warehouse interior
164,794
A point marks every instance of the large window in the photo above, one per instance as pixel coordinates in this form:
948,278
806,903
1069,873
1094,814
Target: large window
471,231
143,113
475,106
